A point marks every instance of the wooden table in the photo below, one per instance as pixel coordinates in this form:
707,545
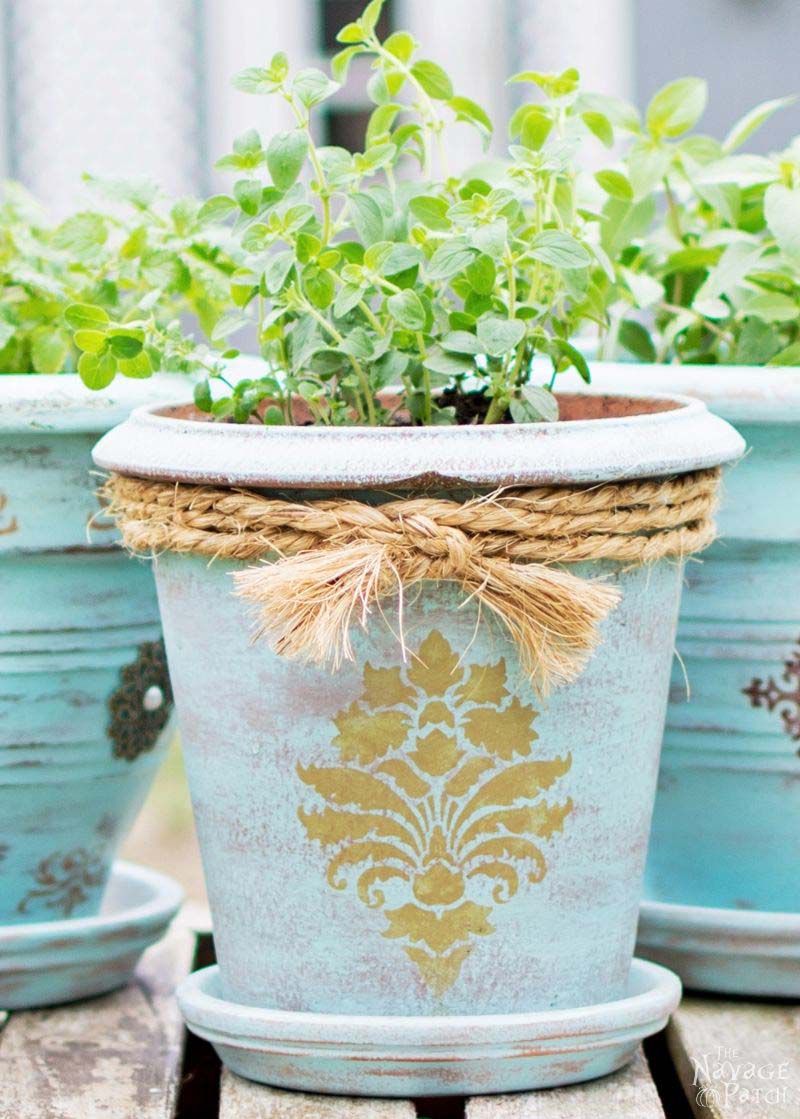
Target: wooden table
127,1056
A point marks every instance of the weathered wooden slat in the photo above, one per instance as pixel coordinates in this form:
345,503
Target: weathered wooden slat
737,1060
241,1099
628,1094
113,1056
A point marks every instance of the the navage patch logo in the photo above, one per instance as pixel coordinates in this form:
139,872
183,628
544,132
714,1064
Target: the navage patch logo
724,1076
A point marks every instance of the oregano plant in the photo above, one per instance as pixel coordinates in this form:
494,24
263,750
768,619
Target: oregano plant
82,294
708,240
388,285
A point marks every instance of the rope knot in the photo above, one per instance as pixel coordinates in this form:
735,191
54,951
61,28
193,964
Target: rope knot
338,558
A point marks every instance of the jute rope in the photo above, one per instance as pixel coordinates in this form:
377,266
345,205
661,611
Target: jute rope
331,561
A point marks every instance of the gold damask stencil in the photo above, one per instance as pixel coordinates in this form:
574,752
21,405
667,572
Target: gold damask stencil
440,793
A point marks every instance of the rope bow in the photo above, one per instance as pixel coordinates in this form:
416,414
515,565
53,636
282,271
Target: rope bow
327,564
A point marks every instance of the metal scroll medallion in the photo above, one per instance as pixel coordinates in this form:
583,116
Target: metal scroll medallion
64,880
785,697
141,705
438,791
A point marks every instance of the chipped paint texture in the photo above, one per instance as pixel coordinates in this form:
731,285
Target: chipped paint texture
74,612
469,1055
286,936
726,830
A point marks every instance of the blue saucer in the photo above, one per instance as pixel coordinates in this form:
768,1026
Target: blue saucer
364,1055
730,951
50,962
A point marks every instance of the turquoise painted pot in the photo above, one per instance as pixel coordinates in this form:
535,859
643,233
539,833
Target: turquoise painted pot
423,837
84,693
726,828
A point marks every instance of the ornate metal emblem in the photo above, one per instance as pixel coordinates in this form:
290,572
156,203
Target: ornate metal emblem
438,793
772,695
63,880
141,705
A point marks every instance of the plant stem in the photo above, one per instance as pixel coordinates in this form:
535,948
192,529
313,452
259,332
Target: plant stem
356,364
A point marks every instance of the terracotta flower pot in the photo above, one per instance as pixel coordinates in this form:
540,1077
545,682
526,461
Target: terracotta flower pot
424,838
726,828
84,691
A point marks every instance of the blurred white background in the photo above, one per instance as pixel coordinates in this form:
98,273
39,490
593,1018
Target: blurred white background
144,88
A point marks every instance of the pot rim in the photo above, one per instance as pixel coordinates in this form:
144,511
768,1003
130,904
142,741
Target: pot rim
680,439
33,403
738,393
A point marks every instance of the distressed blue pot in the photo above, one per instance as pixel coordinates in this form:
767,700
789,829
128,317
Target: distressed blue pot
424,838
80,646
726,828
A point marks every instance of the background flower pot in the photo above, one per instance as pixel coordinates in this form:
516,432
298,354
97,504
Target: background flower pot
726,828
84,692
343,817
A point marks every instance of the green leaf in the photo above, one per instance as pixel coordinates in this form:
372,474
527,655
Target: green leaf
433,79
406,308
448,365
431,211
677,107
788,356
248,195
616,184
482,274
772,306
90,341
125,344
381,120
535,126
351,33
367,218
340,63
462,342
286,155
534,404
313,86
401,44
636,340
644,288
81,316
371,15
7,332
737,260
228,324
217,208
81,234
347,297
559,250
757,344
747,125
202,396
139,367
97,372
470,112
554,85
539,128
319,286
500,336
448,260
49,349
255,79
576,359
782,213
399,258
600,126
648,163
